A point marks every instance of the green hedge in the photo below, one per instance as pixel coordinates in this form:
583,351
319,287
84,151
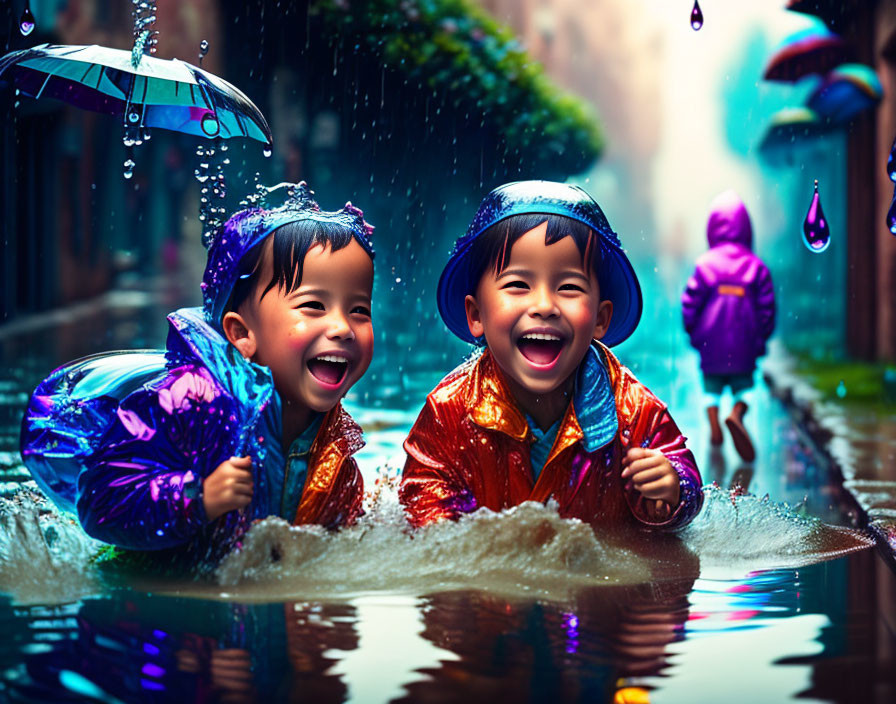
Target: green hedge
460,52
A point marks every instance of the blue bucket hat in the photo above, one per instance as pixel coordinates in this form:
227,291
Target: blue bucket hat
617,279
249,227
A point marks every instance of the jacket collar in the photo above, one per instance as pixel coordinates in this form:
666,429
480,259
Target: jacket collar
190,337
338,433
490,404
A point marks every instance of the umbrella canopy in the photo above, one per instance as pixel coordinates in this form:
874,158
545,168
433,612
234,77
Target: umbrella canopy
788,128
813,50
147,91
845,92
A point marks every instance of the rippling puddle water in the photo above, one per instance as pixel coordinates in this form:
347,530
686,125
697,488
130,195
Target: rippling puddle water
518,605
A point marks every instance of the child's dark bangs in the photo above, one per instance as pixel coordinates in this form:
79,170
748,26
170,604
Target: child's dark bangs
587,242
491,250
291,244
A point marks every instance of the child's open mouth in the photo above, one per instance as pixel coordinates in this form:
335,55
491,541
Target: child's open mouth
540,348
329,369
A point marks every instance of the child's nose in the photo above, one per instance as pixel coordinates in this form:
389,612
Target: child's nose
339,327
543,304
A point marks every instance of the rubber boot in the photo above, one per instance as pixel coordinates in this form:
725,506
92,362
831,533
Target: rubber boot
715,430
735,424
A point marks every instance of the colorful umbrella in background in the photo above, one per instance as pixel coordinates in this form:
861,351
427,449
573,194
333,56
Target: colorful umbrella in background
845,92
815,50
148,93
789,128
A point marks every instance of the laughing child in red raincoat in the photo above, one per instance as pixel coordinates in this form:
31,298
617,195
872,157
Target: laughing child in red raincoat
546,411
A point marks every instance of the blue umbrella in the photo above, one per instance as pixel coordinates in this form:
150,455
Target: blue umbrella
789,128
845,92
147,91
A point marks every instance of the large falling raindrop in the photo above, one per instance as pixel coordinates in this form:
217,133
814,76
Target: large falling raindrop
891,163
816,233
26,23
891,215
203,50
696,16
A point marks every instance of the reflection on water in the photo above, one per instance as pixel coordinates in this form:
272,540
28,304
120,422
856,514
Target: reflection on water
656,640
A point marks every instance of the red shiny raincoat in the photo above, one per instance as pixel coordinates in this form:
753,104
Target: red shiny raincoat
334,488
469,448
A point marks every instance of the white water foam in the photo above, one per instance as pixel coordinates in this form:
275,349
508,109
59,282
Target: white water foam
524,551
736,534
527,551
44,556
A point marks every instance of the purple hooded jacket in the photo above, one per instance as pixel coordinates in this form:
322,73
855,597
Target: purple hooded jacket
729,303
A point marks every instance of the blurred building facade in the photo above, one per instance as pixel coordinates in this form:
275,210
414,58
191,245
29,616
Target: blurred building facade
415,147
595,50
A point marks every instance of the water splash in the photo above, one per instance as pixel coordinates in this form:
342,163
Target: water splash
739,533
524,551
816,232
26,22
146,39
696,17
528,551
44,557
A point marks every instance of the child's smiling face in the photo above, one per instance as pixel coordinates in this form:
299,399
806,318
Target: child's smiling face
540,314
318,339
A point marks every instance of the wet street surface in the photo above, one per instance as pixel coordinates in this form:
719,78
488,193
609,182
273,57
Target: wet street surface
819,632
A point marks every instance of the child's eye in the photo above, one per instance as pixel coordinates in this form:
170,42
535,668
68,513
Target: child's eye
314,305
572,287
515,284
362,310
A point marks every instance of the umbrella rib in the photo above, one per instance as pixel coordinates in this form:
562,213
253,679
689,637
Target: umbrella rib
90,67
46,80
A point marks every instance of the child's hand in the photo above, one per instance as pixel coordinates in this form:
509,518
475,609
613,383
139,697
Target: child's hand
228,488
650,473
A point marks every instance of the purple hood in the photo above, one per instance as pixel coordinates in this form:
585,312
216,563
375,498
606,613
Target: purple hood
729,303
729,221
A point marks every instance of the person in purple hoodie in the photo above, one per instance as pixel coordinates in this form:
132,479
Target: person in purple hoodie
729,313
